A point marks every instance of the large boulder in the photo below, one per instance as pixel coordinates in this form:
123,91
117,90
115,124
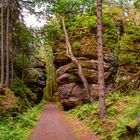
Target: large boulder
71,95
71,90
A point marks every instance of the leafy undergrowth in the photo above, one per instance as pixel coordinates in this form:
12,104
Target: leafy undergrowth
19,128
121,111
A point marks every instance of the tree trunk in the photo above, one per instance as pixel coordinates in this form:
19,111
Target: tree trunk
76,62
12,65
12,60
23,59
100,61
7,47
2,46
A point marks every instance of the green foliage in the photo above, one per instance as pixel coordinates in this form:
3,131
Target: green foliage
55,97
87,112
83,23
95,126
21,62
52,35
129,45
76,46
9,105
128,115
51,84
52,31
31,75
19,128
107,21
112,111
111,37
127,58
68,7
24,36
23,93
113,97
83,111
137,4
22,39
121,111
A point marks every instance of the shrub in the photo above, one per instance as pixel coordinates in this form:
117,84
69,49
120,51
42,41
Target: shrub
9,104
19,127
83,111
121,110
23,93
129,115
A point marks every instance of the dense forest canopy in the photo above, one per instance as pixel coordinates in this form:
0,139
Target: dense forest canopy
88,51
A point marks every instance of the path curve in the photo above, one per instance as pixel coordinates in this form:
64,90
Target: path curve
53,125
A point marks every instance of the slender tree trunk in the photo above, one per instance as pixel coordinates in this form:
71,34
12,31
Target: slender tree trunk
100,61
12,59
12,65
2,45
23,56
7,47
76,62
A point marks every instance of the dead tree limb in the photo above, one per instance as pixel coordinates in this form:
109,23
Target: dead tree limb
128,80
76,62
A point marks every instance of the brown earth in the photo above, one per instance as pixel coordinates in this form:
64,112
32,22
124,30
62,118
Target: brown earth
54,124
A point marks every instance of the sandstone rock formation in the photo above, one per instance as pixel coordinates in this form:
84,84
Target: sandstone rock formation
70,86
35,78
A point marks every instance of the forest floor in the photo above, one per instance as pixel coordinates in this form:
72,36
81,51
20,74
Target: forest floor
54,124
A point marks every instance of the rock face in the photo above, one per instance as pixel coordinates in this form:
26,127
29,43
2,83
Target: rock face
71,90
35,78
71,95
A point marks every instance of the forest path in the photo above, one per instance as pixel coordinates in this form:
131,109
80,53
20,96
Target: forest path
54,124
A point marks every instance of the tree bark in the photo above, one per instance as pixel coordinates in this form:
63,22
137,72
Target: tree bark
76,62
12,65
2,45
12,59
102,105
23,59
7,47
